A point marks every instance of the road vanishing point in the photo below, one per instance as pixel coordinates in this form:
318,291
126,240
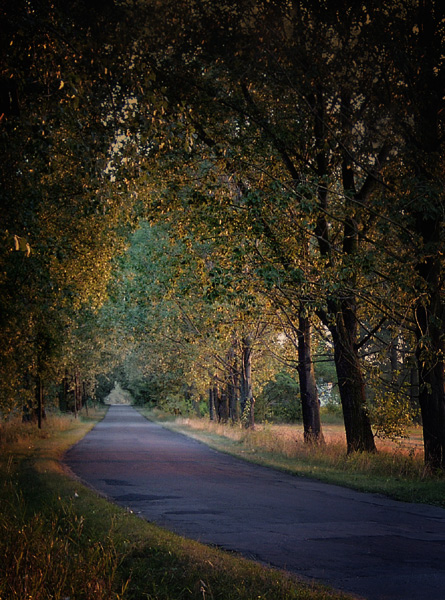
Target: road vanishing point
364,544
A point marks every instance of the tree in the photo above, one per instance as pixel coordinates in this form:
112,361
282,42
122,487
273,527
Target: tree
418,104
300,138
64,212
245,99
182,318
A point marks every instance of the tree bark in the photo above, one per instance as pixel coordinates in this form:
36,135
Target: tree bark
211,404
85,396
359,436
233,401
64,393
430,352
76,393
425,152
247,399
342,317
232,385
223,406
308,389
221,403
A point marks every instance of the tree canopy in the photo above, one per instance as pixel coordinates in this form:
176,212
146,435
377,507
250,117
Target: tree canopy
286,161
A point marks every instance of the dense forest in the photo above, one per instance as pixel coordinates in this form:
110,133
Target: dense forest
234,208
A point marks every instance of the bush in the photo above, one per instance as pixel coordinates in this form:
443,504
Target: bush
391,414
176,404
279,400
332,411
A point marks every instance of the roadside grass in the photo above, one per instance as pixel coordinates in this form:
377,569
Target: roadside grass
59,540
397,470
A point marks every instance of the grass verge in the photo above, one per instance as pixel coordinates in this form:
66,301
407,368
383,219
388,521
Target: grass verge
395,471
61,541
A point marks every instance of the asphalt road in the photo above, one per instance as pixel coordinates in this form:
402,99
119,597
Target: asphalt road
361,543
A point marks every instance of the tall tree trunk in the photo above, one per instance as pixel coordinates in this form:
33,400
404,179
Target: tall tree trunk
247,399
308,389
63,401
431,389
76,393
85,396
233,397
233,385
428,211
223,408
359,436
430,353
424,154
211,404
414,389
217,399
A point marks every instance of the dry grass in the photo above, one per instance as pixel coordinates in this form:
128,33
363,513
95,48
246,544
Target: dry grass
397,469
288,439
15,433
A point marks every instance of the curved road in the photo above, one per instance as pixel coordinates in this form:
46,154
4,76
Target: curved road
360,543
